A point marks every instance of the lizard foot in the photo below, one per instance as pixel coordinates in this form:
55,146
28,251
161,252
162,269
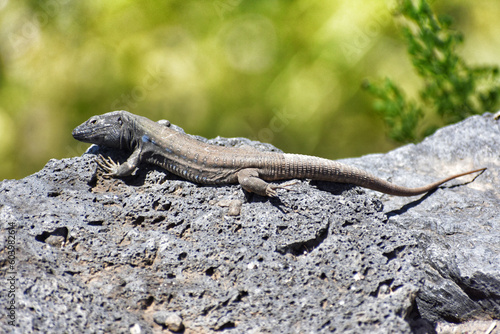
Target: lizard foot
107,165
271,188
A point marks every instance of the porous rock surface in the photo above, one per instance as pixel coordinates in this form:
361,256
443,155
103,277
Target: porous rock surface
152,253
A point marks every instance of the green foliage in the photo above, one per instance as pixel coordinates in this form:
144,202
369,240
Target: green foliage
401,116
452,89
221,67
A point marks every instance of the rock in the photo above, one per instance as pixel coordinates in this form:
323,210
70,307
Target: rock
116,255
482,327
135,329
233,205
170,320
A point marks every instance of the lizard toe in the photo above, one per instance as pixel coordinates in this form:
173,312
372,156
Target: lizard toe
271,191
107,165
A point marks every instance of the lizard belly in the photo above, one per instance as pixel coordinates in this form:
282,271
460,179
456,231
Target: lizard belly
194,172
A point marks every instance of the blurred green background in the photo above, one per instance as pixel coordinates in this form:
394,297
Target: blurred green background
284,72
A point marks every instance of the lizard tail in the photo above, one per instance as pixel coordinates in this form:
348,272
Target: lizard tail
392,189
300,166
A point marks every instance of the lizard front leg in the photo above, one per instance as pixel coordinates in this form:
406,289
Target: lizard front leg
250,181
113,169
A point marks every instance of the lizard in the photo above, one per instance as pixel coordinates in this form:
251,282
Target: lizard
160,144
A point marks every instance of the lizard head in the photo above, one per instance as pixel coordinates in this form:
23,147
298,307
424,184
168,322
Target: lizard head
107,130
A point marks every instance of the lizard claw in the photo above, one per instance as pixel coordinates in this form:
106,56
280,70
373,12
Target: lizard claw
107,165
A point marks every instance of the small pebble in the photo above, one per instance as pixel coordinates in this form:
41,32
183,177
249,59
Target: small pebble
136,329
55,241
170,320
234,206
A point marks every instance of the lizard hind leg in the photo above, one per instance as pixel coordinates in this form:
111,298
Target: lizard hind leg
250,181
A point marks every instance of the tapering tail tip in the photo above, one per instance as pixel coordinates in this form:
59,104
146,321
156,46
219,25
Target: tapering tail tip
438,183
480,170
403,191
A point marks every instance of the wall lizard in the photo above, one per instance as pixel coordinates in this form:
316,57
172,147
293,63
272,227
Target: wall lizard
204,163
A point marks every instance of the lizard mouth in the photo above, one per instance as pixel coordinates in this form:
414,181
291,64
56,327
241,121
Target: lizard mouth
82,134
86,134
79,134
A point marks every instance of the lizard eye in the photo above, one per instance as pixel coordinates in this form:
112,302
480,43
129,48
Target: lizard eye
119,120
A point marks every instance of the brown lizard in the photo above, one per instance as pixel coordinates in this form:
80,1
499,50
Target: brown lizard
204,163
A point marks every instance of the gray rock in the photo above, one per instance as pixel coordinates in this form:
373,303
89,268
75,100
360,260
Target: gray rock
100,255
170,320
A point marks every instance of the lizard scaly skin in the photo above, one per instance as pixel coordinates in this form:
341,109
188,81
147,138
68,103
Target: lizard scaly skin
204,163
